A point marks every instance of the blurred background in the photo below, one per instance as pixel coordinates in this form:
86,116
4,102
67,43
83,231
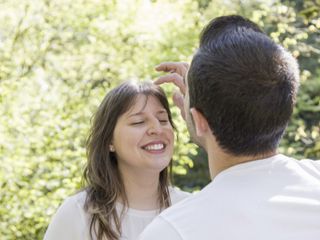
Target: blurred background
58,58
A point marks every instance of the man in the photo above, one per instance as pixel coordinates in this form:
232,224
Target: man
239,96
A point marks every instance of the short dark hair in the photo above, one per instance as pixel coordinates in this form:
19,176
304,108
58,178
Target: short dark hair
244,84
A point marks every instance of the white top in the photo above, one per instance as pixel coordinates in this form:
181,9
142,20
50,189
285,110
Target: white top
276,198
72,222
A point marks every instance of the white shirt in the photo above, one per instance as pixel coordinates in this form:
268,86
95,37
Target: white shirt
276,198
72,222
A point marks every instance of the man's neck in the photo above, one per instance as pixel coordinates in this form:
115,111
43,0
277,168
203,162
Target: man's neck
219,160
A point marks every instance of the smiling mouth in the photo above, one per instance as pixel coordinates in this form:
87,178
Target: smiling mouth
154,147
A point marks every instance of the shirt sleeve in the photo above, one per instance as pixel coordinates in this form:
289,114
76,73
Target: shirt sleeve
67,223
160,229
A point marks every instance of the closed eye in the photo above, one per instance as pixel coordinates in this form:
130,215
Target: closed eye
164,120
137,123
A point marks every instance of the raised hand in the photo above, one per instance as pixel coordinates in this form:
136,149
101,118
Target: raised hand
177,73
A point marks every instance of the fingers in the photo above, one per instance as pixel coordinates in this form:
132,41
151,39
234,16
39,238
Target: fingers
174,78
177,72
179,102
186,65
174,67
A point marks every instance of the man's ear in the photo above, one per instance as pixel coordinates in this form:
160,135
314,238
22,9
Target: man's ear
200,122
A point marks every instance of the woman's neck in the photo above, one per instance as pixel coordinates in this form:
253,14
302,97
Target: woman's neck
141,189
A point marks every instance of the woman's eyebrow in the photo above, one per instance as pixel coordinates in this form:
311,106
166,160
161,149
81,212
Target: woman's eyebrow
160,112
135,114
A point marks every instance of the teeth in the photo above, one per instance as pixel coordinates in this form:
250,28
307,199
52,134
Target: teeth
155,147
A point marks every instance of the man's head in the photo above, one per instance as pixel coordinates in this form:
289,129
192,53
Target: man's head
244,84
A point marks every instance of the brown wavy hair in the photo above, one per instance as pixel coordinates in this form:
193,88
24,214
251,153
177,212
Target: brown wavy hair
104,185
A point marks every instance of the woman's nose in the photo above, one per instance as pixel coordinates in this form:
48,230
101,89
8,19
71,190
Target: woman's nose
154,128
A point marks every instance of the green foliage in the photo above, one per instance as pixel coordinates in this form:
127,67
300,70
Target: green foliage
59,58
297,26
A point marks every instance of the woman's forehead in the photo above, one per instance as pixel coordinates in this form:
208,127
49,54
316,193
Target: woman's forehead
141,101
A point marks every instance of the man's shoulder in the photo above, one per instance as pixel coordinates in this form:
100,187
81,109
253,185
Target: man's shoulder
178,195
312,167
311,164
160,229
193,203
177,220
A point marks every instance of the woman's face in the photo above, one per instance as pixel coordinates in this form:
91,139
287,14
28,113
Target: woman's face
143,137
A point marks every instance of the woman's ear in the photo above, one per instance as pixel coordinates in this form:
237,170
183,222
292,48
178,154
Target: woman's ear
200,122
111,148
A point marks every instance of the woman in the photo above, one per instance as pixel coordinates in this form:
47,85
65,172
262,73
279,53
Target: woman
129,149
